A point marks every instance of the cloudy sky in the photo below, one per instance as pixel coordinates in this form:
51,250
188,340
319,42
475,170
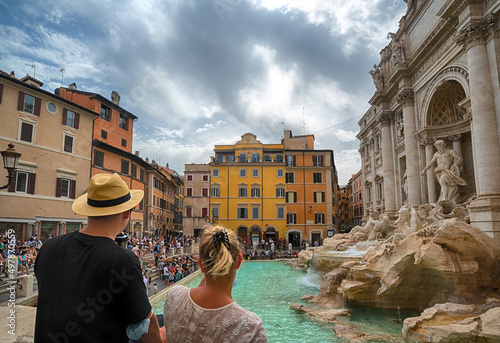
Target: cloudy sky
203,72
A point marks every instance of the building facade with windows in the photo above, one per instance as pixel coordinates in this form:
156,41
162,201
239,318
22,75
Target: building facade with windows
197,198
345,206
264,191
436,80
132,169
112,144
311,190
247,189
178,197
54,136
160,208
356,199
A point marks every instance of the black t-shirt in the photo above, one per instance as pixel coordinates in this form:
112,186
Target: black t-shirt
89,290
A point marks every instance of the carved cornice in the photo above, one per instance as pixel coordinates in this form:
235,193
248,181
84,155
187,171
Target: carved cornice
455,137
476,32
405,98
428,141
385,118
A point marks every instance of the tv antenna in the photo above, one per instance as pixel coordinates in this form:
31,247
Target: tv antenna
33,66
62,70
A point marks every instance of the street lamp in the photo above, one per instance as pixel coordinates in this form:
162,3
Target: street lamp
10,160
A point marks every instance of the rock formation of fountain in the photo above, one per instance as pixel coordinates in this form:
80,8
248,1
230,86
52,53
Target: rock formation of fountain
429,259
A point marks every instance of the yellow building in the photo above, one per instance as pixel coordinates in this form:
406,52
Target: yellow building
275,191
248,189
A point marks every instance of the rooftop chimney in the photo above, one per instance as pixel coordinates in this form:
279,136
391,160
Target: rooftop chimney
32,81
72,86
115,98
137,153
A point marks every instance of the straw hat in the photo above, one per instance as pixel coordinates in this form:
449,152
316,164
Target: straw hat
107,194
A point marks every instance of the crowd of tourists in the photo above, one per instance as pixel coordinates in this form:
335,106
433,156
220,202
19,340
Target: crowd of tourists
169,245
25,252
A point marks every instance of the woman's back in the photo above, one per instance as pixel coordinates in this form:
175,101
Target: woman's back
188,322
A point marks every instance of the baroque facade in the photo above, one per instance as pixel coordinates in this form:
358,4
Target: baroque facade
438,79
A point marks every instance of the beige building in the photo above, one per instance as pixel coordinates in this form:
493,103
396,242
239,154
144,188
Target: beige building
438,79
196,198
54,137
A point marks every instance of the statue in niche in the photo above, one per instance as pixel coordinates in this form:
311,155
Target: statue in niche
447,172
396,47
400,127
404,186
378,79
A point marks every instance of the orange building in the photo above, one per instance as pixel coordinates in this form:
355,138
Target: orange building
177,196
112,144
161,194
114,125
311,184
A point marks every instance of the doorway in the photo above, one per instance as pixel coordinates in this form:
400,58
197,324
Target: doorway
294,238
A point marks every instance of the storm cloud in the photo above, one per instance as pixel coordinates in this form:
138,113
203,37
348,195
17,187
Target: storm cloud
199,73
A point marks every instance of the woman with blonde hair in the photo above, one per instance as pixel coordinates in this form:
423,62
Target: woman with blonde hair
208,312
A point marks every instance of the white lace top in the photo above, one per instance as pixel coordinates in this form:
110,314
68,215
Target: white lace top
186,322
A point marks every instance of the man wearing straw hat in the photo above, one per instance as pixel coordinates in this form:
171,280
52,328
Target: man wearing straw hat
89,288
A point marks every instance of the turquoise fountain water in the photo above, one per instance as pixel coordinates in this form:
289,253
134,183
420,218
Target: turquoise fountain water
268,289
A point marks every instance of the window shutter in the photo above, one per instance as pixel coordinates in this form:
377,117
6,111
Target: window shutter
12,185
1,92
294,196
321,160
58,187
20,101
65,116
31,183
323,196
77,120
294,160
38,106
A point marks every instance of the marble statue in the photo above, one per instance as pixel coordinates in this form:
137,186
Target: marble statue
362,232
378,79
381,229
447,172
396,47
404,186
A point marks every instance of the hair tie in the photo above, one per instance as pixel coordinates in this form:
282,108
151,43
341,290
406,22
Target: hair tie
220,237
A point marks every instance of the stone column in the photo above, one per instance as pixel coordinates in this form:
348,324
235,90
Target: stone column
405,98
388,166
371,146
431,181
485,210
457,143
